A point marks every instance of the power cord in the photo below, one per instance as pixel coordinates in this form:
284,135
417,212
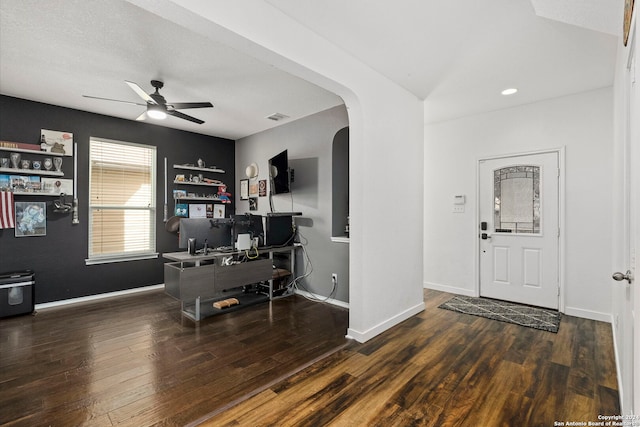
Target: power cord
308,269
247,252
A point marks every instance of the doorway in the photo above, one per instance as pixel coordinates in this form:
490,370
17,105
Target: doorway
519,237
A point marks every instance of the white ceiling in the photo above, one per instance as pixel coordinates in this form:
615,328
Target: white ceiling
58,50
455,55
459,55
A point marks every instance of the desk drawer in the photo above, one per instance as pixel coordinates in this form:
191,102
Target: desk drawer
188,283
232,276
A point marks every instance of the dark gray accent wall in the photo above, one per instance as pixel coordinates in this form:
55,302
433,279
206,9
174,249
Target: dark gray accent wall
340,182
58,258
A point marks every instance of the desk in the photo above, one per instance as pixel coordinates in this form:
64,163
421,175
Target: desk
199,280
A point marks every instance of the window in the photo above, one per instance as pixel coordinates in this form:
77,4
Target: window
517,199
122,206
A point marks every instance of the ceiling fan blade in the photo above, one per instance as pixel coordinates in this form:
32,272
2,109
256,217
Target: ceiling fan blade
114,100
141,93
184,105
142,116
184,116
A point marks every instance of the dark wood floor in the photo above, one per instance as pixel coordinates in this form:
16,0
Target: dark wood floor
442,368
134,361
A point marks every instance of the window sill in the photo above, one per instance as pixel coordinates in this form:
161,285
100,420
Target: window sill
123,258
340,239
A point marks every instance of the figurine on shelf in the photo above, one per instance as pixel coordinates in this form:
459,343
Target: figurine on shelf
15,160
200,163
223,196
57,163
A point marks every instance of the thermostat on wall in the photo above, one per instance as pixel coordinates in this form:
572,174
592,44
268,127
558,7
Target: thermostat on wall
458,204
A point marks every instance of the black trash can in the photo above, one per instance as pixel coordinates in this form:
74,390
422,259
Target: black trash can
16,293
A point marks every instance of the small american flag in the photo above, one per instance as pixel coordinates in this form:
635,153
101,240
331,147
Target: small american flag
6,210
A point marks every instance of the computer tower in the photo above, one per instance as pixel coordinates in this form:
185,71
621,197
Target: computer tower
279,230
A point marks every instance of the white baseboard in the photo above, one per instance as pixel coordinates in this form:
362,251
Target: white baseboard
97,297
570,311
322,299
450,289
587,314
363,336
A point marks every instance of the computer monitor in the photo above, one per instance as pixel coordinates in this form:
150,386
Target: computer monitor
215,232
248,224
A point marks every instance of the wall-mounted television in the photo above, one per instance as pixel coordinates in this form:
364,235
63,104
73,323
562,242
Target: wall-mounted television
279,173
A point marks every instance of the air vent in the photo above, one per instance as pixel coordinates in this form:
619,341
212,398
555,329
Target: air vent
276,117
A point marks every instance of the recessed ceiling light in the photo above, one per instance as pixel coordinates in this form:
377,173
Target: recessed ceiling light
510,91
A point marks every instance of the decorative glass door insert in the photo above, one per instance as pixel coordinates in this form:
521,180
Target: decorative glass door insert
516,192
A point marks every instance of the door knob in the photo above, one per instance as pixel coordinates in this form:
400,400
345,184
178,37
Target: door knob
623,276
485,236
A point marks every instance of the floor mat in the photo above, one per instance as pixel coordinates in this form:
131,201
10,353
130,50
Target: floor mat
523,315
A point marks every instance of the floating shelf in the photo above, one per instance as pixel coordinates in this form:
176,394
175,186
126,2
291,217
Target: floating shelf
203,184
22,150
199,198
196,168
42,172
36,193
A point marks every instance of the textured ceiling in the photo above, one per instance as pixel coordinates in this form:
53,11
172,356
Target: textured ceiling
70,48
457,56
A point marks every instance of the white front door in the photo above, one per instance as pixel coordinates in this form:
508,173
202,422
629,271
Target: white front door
519,229
628,264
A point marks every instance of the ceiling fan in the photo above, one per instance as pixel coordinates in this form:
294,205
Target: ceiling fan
157,106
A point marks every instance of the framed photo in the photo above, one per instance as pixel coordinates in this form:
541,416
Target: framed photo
197,210
244,189
19,183
53,141
179,194
31,219
182,210
34,184
56,186
262,187
253,188
5,182
253,204
628,13
218,211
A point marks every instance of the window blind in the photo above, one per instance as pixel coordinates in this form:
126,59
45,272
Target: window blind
122,199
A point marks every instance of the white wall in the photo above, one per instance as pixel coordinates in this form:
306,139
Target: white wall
386,151
308,142
583,124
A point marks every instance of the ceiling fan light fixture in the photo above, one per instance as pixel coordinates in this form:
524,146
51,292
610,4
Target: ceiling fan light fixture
156,112
509,91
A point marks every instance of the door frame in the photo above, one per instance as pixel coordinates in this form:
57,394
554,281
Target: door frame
560,151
